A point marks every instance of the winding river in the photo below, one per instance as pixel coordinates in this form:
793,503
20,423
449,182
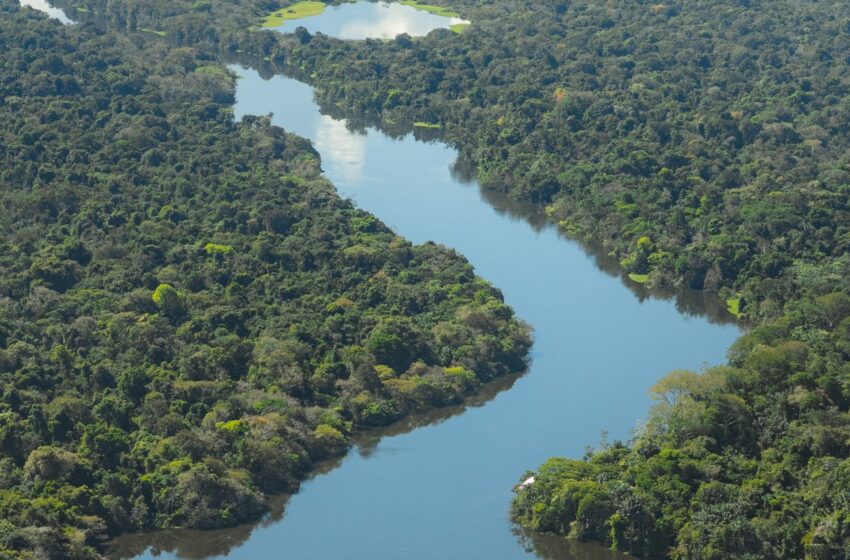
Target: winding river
442,490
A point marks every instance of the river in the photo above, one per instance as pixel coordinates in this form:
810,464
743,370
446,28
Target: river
443,490
438,486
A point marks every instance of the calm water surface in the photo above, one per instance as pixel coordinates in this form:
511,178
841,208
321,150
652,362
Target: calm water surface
370,20
44,6
443,491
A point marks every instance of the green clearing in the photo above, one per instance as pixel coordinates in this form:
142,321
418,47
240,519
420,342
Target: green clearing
733,305
423,124
639,278
459,27
296,11
430,8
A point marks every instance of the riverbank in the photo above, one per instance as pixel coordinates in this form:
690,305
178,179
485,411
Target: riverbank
447,483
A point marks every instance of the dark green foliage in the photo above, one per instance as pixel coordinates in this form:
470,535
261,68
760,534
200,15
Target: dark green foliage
189,314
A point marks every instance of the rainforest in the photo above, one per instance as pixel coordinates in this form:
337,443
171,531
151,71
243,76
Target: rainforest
193,317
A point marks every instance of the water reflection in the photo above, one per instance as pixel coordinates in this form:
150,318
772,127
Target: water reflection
554,547
371,20
44,6
342,149
193,544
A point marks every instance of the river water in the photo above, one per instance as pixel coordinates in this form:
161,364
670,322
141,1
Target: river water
372,20
443,490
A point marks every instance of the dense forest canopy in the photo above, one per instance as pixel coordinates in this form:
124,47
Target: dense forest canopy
190,316
703,143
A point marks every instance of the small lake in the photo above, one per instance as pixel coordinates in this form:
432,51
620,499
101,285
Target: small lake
370,20
44,6
442,490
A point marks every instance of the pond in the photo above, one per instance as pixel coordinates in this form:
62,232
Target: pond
443,490
44,6
364,20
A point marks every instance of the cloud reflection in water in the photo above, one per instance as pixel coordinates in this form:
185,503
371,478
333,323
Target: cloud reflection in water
395,19
341,148
44,6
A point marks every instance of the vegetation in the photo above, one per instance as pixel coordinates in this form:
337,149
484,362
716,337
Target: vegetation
190,316
427,125
430,8
299,10
703,144
748,460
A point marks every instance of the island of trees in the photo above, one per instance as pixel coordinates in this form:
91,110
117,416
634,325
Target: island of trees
703,143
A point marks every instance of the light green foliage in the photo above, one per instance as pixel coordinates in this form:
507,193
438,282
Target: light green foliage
329,435
168,300
733,305
163,293
231,426
430,8
298,10
644,242
460,373
385,372
422,124
216,249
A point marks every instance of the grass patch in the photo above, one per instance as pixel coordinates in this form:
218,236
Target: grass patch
459,27
430,8
154,31
213,70
733,305
298,10
639,278
422,124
